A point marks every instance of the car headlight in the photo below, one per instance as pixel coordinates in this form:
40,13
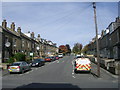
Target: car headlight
36,63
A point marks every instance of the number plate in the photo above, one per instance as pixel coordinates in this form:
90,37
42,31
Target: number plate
13,68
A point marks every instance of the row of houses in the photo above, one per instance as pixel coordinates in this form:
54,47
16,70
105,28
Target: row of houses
109,42
13,41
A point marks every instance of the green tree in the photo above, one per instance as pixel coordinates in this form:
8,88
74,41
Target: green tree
68,49
85,49
20,57
77,48
10,60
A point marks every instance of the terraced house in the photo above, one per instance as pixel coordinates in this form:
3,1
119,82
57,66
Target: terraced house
109,42
13,41
109,47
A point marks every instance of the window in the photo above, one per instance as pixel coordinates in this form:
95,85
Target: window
14,42
23,43
32,45
28,45
6,39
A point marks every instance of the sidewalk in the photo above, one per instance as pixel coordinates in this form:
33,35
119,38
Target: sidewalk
103,64
103,73
5,72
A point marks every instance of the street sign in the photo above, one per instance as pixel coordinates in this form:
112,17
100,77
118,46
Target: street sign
31,54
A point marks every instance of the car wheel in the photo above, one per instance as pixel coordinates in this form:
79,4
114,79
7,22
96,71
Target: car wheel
39,64
22,71
75,71
10,72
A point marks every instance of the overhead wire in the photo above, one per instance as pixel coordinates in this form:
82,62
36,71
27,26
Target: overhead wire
68,16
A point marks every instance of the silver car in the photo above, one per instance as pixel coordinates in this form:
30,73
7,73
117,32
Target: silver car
21,67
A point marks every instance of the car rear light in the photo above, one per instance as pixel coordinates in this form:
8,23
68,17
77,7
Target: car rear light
18,67
9,67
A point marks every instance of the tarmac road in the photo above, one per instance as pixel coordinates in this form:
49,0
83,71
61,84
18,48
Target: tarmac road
60,74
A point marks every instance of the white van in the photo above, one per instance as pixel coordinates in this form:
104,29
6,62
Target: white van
82,64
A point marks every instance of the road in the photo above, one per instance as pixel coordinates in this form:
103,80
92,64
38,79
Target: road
59,74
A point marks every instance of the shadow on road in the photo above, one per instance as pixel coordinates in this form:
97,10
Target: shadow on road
95,75
47,85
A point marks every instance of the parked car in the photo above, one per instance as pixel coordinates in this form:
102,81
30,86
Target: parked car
53,58
82,64
20,67
56,57
60,55
38,62
48,59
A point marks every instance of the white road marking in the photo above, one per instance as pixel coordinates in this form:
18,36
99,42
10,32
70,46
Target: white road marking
114,81
21,74
63,61
57,61
73,76
27,72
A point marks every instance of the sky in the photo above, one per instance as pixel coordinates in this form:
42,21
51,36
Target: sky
61,22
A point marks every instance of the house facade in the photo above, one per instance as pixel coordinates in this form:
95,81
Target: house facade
14,41
109,42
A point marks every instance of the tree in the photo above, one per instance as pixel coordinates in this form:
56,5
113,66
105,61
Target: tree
20,57
68,49
62,49
85,49
77,48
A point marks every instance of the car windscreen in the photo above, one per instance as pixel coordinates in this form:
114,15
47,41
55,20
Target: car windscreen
78,57
48,57
16,64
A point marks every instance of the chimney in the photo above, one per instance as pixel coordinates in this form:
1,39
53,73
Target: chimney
102,33
13,26
38,37
118,19
32,35
28,31
4,24
19,30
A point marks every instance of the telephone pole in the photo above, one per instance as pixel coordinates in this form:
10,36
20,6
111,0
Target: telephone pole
97,44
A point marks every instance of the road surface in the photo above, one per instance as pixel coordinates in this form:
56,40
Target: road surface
60,74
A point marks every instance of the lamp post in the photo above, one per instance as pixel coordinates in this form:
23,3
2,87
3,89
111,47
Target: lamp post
96,28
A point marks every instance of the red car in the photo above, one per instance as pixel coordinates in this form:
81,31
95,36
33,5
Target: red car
48,59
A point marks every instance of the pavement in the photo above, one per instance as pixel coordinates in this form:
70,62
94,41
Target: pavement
5,72
60,74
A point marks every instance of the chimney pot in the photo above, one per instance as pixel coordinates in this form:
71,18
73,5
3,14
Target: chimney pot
19,30
32,35
4,24
13,26
38,35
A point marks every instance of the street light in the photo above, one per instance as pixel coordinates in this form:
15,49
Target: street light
96,28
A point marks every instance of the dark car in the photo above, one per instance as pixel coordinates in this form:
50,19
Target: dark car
38,62
53,58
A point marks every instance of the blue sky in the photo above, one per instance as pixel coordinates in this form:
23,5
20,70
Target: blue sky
61,22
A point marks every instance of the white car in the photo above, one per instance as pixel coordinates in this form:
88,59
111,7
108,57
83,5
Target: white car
82,64
60,55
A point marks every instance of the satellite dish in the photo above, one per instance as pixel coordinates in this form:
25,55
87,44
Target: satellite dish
38,48
7,44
